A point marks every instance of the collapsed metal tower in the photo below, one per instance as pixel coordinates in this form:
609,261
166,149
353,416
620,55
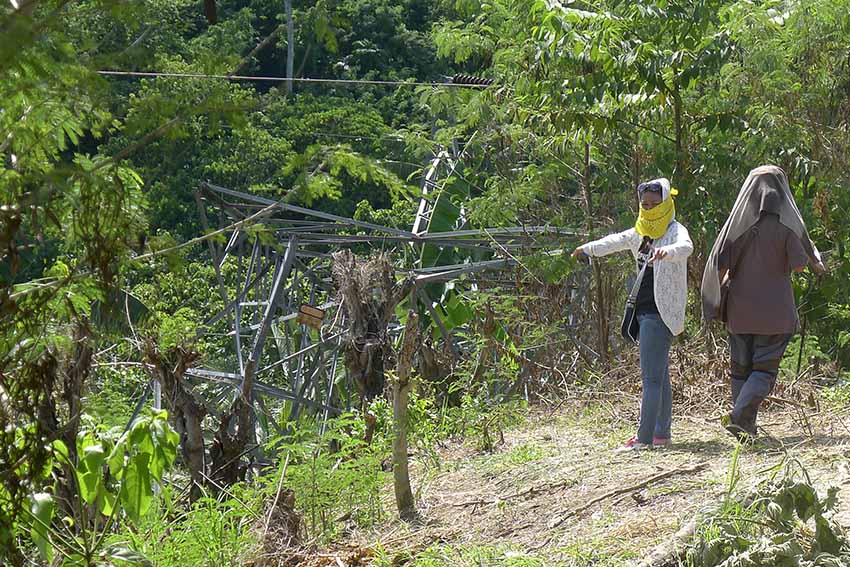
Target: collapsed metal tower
284,324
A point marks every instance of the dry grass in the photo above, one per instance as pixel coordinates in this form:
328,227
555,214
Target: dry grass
521,497
526,504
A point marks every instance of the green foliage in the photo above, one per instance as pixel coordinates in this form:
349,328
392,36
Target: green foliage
115,389
250,159
440,555
485,424
213,532
63,295
76,148
811,354
552,268
174,330
401,215
337,475
475,419
97,170
89,203
178,295
113,478
838,394
367,38
42,511
319,173
462,42
773,527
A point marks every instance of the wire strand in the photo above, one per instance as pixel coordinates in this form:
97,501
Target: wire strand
285,79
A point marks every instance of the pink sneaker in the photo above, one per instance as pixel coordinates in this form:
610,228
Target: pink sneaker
661,441
633,445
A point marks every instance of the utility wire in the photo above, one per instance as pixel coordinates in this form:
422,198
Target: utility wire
285,79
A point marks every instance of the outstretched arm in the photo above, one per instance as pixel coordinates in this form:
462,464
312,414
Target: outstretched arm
612,243
818,264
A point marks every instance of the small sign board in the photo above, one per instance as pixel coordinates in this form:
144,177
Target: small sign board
310,316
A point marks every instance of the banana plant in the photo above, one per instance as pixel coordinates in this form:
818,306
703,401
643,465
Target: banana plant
114,482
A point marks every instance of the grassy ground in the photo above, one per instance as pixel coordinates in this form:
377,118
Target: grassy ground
528,503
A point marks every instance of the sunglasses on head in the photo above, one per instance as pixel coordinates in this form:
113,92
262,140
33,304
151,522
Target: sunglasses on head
653,186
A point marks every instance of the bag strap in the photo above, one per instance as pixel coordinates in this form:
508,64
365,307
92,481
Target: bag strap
636,287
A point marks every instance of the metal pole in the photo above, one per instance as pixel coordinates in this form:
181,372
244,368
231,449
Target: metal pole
290,45
139,405
157,395
329,396
237,314
281,275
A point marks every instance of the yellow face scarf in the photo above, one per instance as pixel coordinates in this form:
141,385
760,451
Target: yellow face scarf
654,222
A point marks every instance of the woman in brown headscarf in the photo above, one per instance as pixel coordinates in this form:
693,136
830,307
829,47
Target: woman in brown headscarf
763,241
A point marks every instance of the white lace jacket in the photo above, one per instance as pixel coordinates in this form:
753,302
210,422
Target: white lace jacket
671,273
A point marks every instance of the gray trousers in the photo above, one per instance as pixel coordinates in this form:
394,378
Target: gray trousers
754,365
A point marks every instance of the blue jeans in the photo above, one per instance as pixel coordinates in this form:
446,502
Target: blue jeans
656,408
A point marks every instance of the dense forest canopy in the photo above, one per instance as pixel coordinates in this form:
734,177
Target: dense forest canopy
106,279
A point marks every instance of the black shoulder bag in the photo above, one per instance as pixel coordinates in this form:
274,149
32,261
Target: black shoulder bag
629,327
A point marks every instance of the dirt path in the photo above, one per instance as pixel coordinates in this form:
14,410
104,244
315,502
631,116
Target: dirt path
530,502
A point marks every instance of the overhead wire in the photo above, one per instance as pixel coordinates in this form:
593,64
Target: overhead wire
376,82
458,81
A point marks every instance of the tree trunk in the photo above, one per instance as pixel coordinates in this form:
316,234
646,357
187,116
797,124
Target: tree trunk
365,362
185,412
188,416
677,120
73,373
74,377
369,294
601,310
401,390
683,170
235,435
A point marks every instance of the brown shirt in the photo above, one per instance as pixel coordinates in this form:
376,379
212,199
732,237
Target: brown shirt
761,300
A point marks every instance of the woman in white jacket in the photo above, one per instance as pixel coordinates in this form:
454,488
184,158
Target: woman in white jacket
659,240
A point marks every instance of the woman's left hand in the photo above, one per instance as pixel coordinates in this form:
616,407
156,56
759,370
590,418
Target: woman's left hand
660,254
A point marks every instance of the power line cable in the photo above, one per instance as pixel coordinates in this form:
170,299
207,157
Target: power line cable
461,82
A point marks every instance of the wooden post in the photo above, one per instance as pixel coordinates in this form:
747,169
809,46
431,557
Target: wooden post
401,391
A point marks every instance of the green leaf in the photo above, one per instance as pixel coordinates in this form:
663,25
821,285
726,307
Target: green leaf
458,310
126,556
831,500
116,458
90,471
93,457
136,493
827,539
42,509
107,503
75,560
140,437
805,500
60,449
90,482
165,438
